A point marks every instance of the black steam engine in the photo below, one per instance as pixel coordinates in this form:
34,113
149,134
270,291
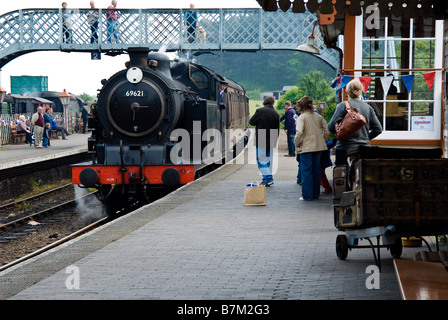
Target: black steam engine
159,123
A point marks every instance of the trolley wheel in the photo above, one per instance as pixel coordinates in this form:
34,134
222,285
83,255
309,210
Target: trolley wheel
341,246
397,248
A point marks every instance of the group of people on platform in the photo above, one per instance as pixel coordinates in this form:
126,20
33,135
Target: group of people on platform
42,124
307,136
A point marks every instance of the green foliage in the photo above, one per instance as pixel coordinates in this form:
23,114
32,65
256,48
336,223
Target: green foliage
292,95
328,112
86,98
254,94
314,85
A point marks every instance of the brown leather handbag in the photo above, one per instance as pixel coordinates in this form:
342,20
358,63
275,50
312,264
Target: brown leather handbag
352,122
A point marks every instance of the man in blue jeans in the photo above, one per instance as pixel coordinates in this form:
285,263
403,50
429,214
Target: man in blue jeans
267,125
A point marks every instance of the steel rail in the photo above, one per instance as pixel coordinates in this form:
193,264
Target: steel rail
55,244
41,213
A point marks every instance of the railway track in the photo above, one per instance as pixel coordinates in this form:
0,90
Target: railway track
39,223
15,211
43,213
55,243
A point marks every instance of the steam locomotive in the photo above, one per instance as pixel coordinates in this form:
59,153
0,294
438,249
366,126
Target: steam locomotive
159,124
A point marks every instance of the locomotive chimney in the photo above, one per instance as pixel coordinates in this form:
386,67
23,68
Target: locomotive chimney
138,57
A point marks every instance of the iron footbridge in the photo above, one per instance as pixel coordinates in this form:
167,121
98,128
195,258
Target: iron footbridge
100,30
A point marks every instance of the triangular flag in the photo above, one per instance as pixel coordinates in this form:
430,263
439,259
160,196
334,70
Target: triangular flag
336,81
365,82
344,81
386,82
429,77
408,81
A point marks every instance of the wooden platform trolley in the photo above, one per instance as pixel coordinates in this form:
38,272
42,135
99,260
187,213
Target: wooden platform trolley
388,193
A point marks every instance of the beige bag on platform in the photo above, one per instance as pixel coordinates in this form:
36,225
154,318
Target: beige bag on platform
254,195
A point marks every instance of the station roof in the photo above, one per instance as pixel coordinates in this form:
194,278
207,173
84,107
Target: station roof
42,100
334,11
406,8
11,97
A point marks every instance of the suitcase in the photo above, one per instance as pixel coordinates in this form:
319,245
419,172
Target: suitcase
409,193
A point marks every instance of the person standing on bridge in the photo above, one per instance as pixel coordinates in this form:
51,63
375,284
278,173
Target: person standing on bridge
191,23
67,23
92,17
112,22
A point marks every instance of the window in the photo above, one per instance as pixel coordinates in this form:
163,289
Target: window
401,52
198,77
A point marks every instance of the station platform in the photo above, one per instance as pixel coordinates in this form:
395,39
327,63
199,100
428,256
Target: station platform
14,155
202,243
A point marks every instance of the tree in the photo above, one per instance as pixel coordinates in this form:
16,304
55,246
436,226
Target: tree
86,97
312,84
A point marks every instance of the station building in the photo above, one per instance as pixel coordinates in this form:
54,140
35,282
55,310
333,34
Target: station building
398,49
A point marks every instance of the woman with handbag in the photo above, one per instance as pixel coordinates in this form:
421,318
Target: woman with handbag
367,132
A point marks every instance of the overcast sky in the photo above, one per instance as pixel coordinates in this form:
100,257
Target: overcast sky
76,72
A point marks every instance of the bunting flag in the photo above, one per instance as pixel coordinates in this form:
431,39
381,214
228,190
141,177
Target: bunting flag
344,81
365,82
386,82
336,81
429,77
408,81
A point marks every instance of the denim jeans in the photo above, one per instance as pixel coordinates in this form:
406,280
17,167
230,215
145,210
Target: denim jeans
265,159
112,26
94,30
291,147
311,173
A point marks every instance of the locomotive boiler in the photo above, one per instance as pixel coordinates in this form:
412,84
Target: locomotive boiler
159,124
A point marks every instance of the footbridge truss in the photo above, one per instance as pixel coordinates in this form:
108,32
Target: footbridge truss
82,30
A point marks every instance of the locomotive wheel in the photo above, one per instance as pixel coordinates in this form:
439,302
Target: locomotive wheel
341,246
397,248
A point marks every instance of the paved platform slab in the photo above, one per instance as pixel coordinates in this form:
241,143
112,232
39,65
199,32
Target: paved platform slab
202,243
16,155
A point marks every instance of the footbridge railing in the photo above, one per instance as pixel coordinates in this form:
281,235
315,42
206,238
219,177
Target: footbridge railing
87,30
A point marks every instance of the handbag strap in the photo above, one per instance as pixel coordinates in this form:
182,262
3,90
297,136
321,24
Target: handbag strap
347,106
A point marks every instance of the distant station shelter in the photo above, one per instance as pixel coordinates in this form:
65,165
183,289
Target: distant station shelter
398,51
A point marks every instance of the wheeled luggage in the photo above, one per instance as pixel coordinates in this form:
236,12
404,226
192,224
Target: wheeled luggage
389,193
